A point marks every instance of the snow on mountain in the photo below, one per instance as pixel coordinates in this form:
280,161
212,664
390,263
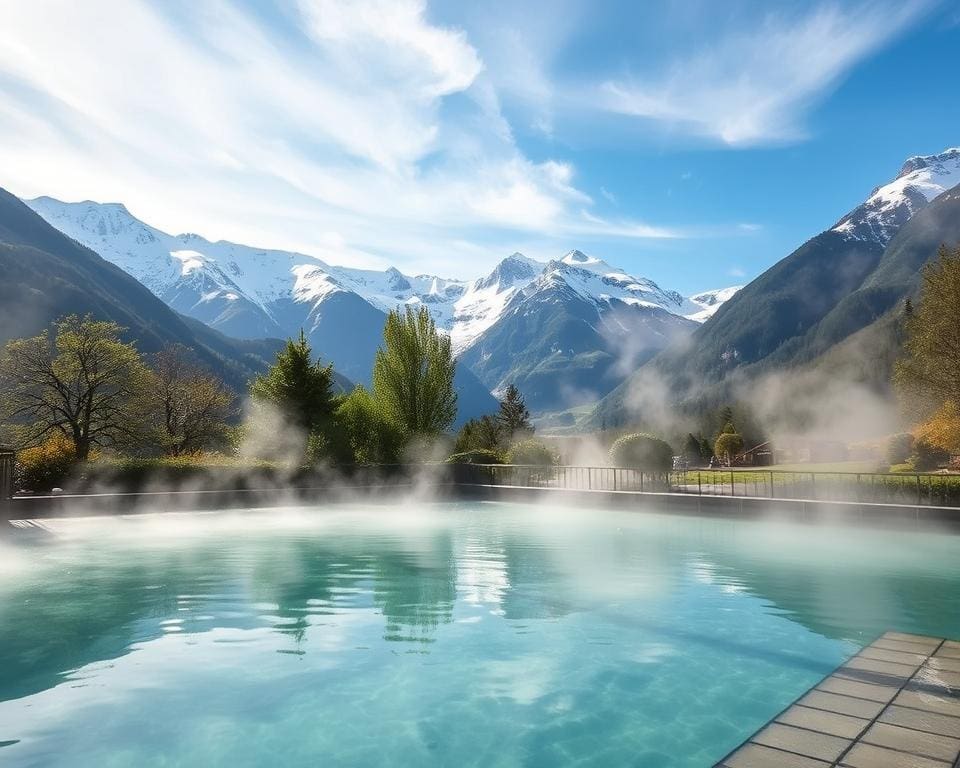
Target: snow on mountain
709,302
485,299
254,292
890,206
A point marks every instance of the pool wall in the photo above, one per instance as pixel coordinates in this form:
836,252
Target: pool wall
446,488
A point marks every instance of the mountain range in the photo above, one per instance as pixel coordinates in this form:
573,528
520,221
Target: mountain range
833,303
523,323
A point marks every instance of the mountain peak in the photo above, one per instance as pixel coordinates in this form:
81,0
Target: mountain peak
918,162
891,205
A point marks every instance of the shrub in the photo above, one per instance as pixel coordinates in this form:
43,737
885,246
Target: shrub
478,456
728,445
532,452
899,448
642,451
46,466
926,456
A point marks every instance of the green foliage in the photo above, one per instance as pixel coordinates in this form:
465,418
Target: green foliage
299,388
642,451
84,383
477,456
514,418
899,448
479,434
45,466
728,445
413,375
364,434
931,361
531,452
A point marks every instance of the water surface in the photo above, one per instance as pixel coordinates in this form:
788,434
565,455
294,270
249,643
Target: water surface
460,635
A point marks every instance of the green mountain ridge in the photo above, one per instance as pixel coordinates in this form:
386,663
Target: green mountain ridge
832,306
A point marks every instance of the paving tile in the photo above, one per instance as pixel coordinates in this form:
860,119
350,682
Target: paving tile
942,677
922,699
883,667
869,756
803,742
916,639
845,705
898,657
758,756
916,742
944,662
824,722
898,645
949,653
858,689
943,725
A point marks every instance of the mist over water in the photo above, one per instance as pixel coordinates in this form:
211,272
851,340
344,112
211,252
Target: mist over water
470,634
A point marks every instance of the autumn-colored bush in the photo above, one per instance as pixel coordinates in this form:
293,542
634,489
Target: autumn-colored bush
46,466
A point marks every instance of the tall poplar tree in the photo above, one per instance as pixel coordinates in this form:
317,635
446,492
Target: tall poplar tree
413,374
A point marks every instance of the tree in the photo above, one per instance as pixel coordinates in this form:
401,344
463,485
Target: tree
364,435
642,451
300,389
691,449
484,433
931,362
514,417
192,406
413,374
728,446
84,383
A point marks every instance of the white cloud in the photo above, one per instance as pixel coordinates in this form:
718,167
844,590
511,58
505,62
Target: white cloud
754,85
365,133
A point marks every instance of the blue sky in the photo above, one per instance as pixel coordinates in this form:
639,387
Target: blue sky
694,143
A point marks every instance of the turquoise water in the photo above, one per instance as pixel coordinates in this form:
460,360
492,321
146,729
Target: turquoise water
452,635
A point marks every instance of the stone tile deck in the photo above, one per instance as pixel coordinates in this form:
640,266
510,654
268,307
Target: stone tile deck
896,704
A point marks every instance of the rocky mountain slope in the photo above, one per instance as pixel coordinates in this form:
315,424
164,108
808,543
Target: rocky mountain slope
839,282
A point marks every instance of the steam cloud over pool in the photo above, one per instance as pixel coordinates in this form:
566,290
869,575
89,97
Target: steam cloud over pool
470,634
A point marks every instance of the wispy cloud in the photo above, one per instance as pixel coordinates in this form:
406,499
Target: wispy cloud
754,85
361,129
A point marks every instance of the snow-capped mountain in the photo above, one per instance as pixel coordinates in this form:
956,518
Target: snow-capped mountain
575,331
709,302
890,206
255,292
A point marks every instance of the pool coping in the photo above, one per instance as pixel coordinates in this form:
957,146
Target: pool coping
893,704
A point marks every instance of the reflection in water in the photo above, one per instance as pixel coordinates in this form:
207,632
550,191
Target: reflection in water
536,638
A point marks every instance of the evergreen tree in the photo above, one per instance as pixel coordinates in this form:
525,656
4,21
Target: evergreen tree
691,449
706,452
300,389
413,374
514,417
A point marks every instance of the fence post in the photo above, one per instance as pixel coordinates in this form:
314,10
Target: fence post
699,484
7,457
918,490
771,484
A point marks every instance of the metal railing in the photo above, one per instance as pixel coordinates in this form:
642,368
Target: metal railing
922,489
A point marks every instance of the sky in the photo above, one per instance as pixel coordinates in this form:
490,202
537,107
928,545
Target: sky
695,143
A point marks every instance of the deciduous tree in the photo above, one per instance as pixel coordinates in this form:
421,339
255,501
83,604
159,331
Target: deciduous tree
83,382
192,406
413,374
